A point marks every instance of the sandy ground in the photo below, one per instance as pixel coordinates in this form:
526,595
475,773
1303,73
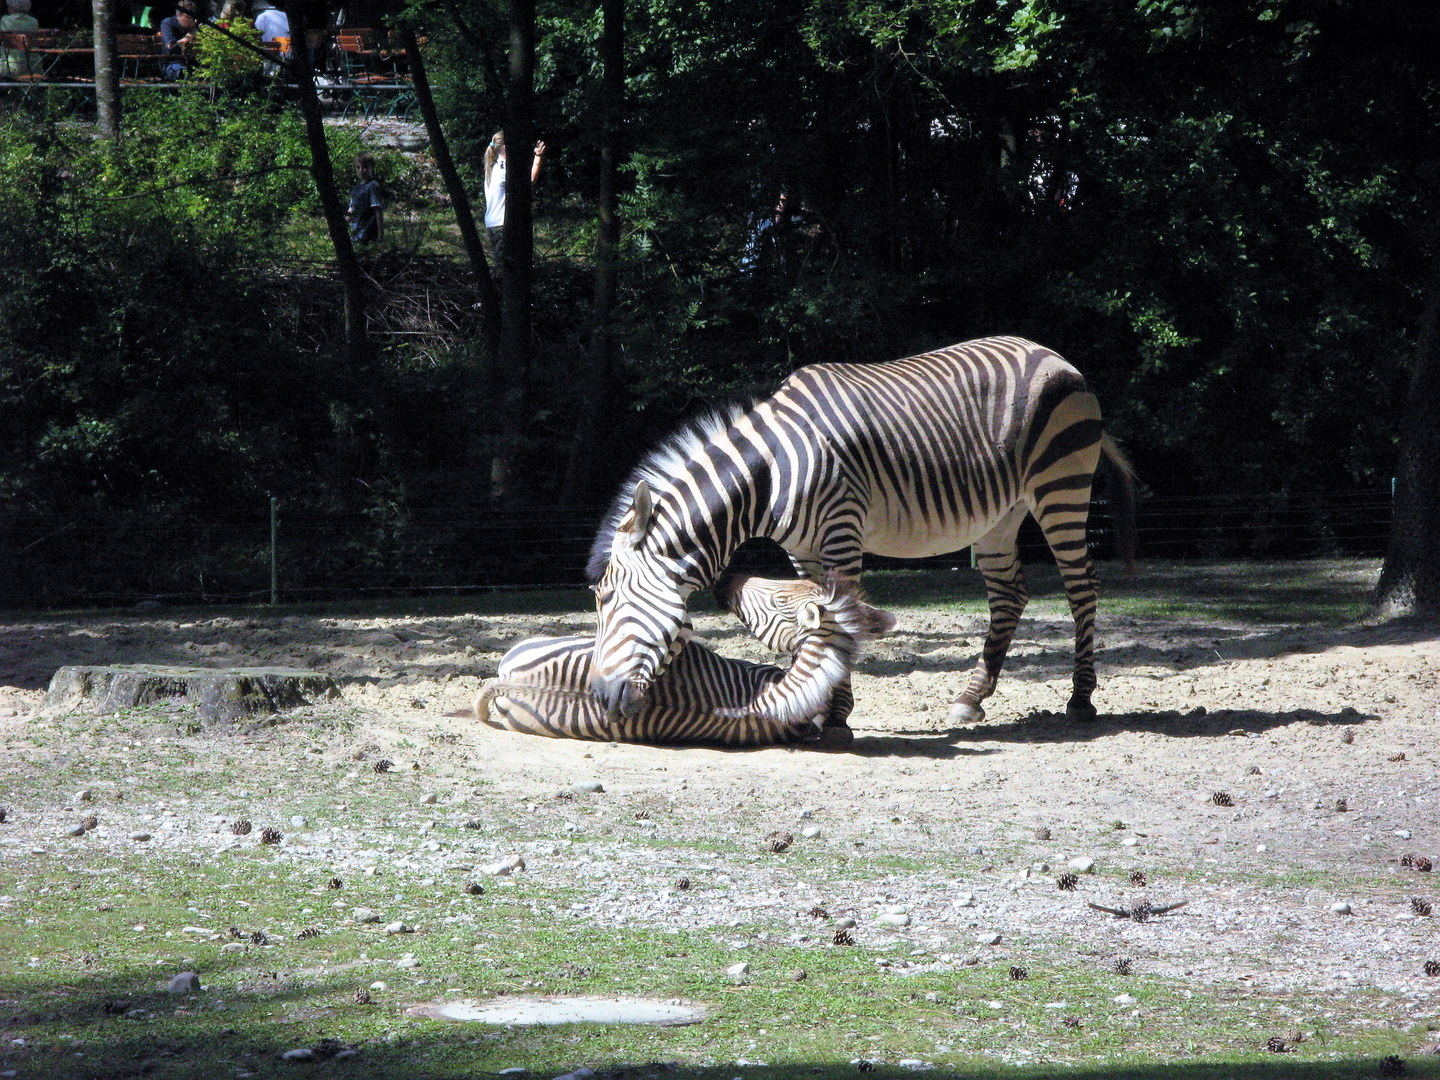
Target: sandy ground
1286,720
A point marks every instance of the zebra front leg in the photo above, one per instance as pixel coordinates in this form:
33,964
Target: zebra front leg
999,561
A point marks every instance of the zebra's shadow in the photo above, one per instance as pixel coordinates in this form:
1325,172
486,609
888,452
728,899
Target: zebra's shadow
1046,727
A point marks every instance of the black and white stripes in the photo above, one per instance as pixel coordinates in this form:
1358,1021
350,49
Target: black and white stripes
908,458
543,684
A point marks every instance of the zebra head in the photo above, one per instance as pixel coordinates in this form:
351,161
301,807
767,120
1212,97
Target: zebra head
640,603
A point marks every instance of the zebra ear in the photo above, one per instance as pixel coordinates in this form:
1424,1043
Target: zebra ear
809,616
878,621
637,518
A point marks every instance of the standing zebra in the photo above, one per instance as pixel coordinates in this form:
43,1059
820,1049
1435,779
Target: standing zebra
906,458
543,685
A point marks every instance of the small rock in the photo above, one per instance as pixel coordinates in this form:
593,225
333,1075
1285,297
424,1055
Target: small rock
233,947
140,837
345,1055
1403,834
297,821
799,975
988,938
808,812
514,1070
846,923
505,867
1124,999
975,849
84,795
588,787
187,982
810,832
1129,841
365,915
298,1055
1340,907
430,799
893,918
1081,864
399,927
78,830
735,971
581,1073
1262,848
377,985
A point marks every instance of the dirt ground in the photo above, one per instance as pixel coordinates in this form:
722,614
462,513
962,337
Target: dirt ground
1284,719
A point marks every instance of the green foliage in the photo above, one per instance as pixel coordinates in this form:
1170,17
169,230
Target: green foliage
221,59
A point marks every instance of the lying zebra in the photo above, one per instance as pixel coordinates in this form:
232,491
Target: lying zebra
543,685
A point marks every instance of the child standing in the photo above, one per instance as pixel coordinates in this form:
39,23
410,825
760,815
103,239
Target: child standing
367,204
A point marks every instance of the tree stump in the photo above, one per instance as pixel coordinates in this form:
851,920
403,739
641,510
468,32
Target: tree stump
221,697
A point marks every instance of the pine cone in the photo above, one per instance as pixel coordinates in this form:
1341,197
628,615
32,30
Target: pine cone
362,996
1222,798
865,1066
1071,1021
1392,1066
1137,878
1407,860
4,815
1432,968
818,912
778,841
1253,770
1347,737
236,932
1276,1045
1341,806
682,884
1067,882
334,883
384,765
1423,864
1124,966
90,822
1420,906
475,889
1018,973
270,836
565,796
240,828
474,826
259,938
306,934
643,814
1398,757
1141,912
1042,833
844,937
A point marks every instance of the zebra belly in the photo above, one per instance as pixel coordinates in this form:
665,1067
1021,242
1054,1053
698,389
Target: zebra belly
921,539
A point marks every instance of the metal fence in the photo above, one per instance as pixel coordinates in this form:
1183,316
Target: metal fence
120,558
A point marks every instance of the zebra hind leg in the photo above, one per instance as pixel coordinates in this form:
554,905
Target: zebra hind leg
1005,587
1080,587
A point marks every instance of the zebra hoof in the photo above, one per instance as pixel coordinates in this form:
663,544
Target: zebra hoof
834,738
962,712
1080,712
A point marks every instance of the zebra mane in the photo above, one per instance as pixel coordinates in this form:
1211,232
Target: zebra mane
666,460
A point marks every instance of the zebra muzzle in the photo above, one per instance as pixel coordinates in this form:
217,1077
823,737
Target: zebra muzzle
619,696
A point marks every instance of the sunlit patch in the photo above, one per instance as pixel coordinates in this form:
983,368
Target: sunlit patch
545,1011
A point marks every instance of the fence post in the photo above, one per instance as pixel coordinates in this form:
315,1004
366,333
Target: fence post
274,564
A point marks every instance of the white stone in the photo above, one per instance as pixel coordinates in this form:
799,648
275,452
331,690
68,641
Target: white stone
140,837
1081,864
1124,999
735,971
1130,841
430,799
297,821
988,938
504,867
1404,834
295,1057
233,947
1340,907
365,915
84,795
78,830
398,927
893,918
810,832
588,787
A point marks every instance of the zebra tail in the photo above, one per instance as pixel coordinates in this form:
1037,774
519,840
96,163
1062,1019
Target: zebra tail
482,702
1122,501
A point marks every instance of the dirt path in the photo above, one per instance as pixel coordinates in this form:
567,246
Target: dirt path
1285,720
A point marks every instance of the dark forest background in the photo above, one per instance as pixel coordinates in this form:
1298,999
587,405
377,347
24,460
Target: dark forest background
1224,213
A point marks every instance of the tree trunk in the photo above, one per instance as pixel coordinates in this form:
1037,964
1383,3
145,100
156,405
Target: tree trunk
459,200
480,449
107,71
1410,581
517,257
579,470
356,346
